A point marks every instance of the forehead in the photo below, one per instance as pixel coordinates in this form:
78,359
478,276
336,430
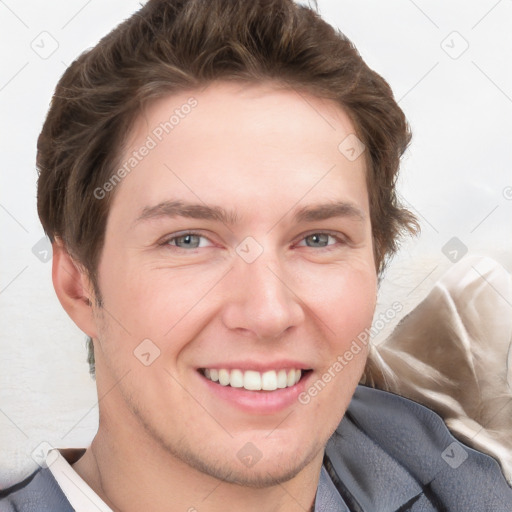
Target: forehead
264,110
257,139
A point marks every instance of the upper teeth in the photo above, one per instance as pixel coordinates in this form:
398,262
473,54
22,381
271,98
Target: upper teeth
253,380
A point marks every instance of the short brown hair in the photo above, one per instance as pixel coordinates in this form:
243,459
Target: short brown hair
170,46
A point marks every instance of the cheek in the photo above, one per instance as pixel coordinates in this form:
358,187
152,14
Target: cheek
148,299
167,300
345,311
346,302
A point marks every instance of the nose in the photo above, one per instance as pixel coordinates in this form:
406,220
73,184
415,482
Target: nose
260,300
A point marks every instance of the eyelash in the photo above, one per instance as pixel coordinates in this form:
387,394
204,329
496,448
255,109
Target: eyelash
340,239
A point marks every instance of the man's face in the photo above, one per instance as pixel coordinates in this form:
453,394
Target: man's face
283,282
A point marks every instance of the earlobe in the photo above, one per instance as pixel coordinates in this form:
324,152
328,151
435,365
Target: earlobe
73,289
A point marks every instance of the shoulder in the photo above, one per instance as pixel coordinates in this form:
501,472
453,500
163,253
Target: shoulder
37,493
391,451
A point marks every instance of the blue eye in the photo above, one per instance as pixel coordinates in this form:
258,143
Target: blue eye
188,241
319,240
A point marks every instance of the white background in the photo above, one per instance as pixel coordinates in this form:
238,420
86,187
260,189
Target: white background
456,177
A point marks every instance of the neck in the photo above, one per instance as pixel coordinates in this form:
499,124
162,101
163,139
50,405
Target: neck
131,472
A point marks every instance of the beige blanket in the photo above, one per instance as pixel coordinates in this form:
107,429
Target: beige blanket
453,353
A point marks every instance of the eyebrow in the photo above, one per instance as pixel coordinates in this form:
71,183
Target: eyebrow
310,213
190,210
328,211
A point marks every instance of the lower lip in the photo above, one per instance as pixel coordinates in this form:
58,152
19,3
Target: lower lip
258,402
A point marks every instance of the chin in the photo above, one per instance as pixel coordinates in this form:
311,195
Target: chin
240,462
266,472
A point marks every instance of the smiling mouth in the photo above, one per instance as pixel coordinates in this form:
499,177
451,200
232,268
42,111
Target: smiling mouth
252,380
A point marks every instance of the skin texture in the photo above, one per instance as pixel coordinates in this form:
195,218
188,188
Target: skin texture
165,439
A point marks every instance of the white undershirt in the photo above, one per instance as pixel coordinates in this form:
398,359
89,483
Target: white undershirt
81,497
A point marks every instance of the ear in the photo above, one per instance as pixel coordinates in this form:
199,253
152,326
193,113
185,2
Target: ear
74,289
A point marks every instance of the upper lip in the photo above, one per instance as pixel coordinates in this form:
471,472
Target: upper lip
282,364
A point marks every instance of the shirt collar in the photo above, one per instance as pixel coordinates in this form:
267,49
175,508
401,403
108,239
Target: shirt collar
80,496
328,499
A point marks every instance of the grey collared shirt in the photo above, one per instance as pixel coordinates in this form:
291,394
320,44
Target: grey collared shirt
389,454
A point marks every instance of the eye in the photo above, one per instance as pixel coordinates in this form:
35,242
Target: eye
320,240
188,241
